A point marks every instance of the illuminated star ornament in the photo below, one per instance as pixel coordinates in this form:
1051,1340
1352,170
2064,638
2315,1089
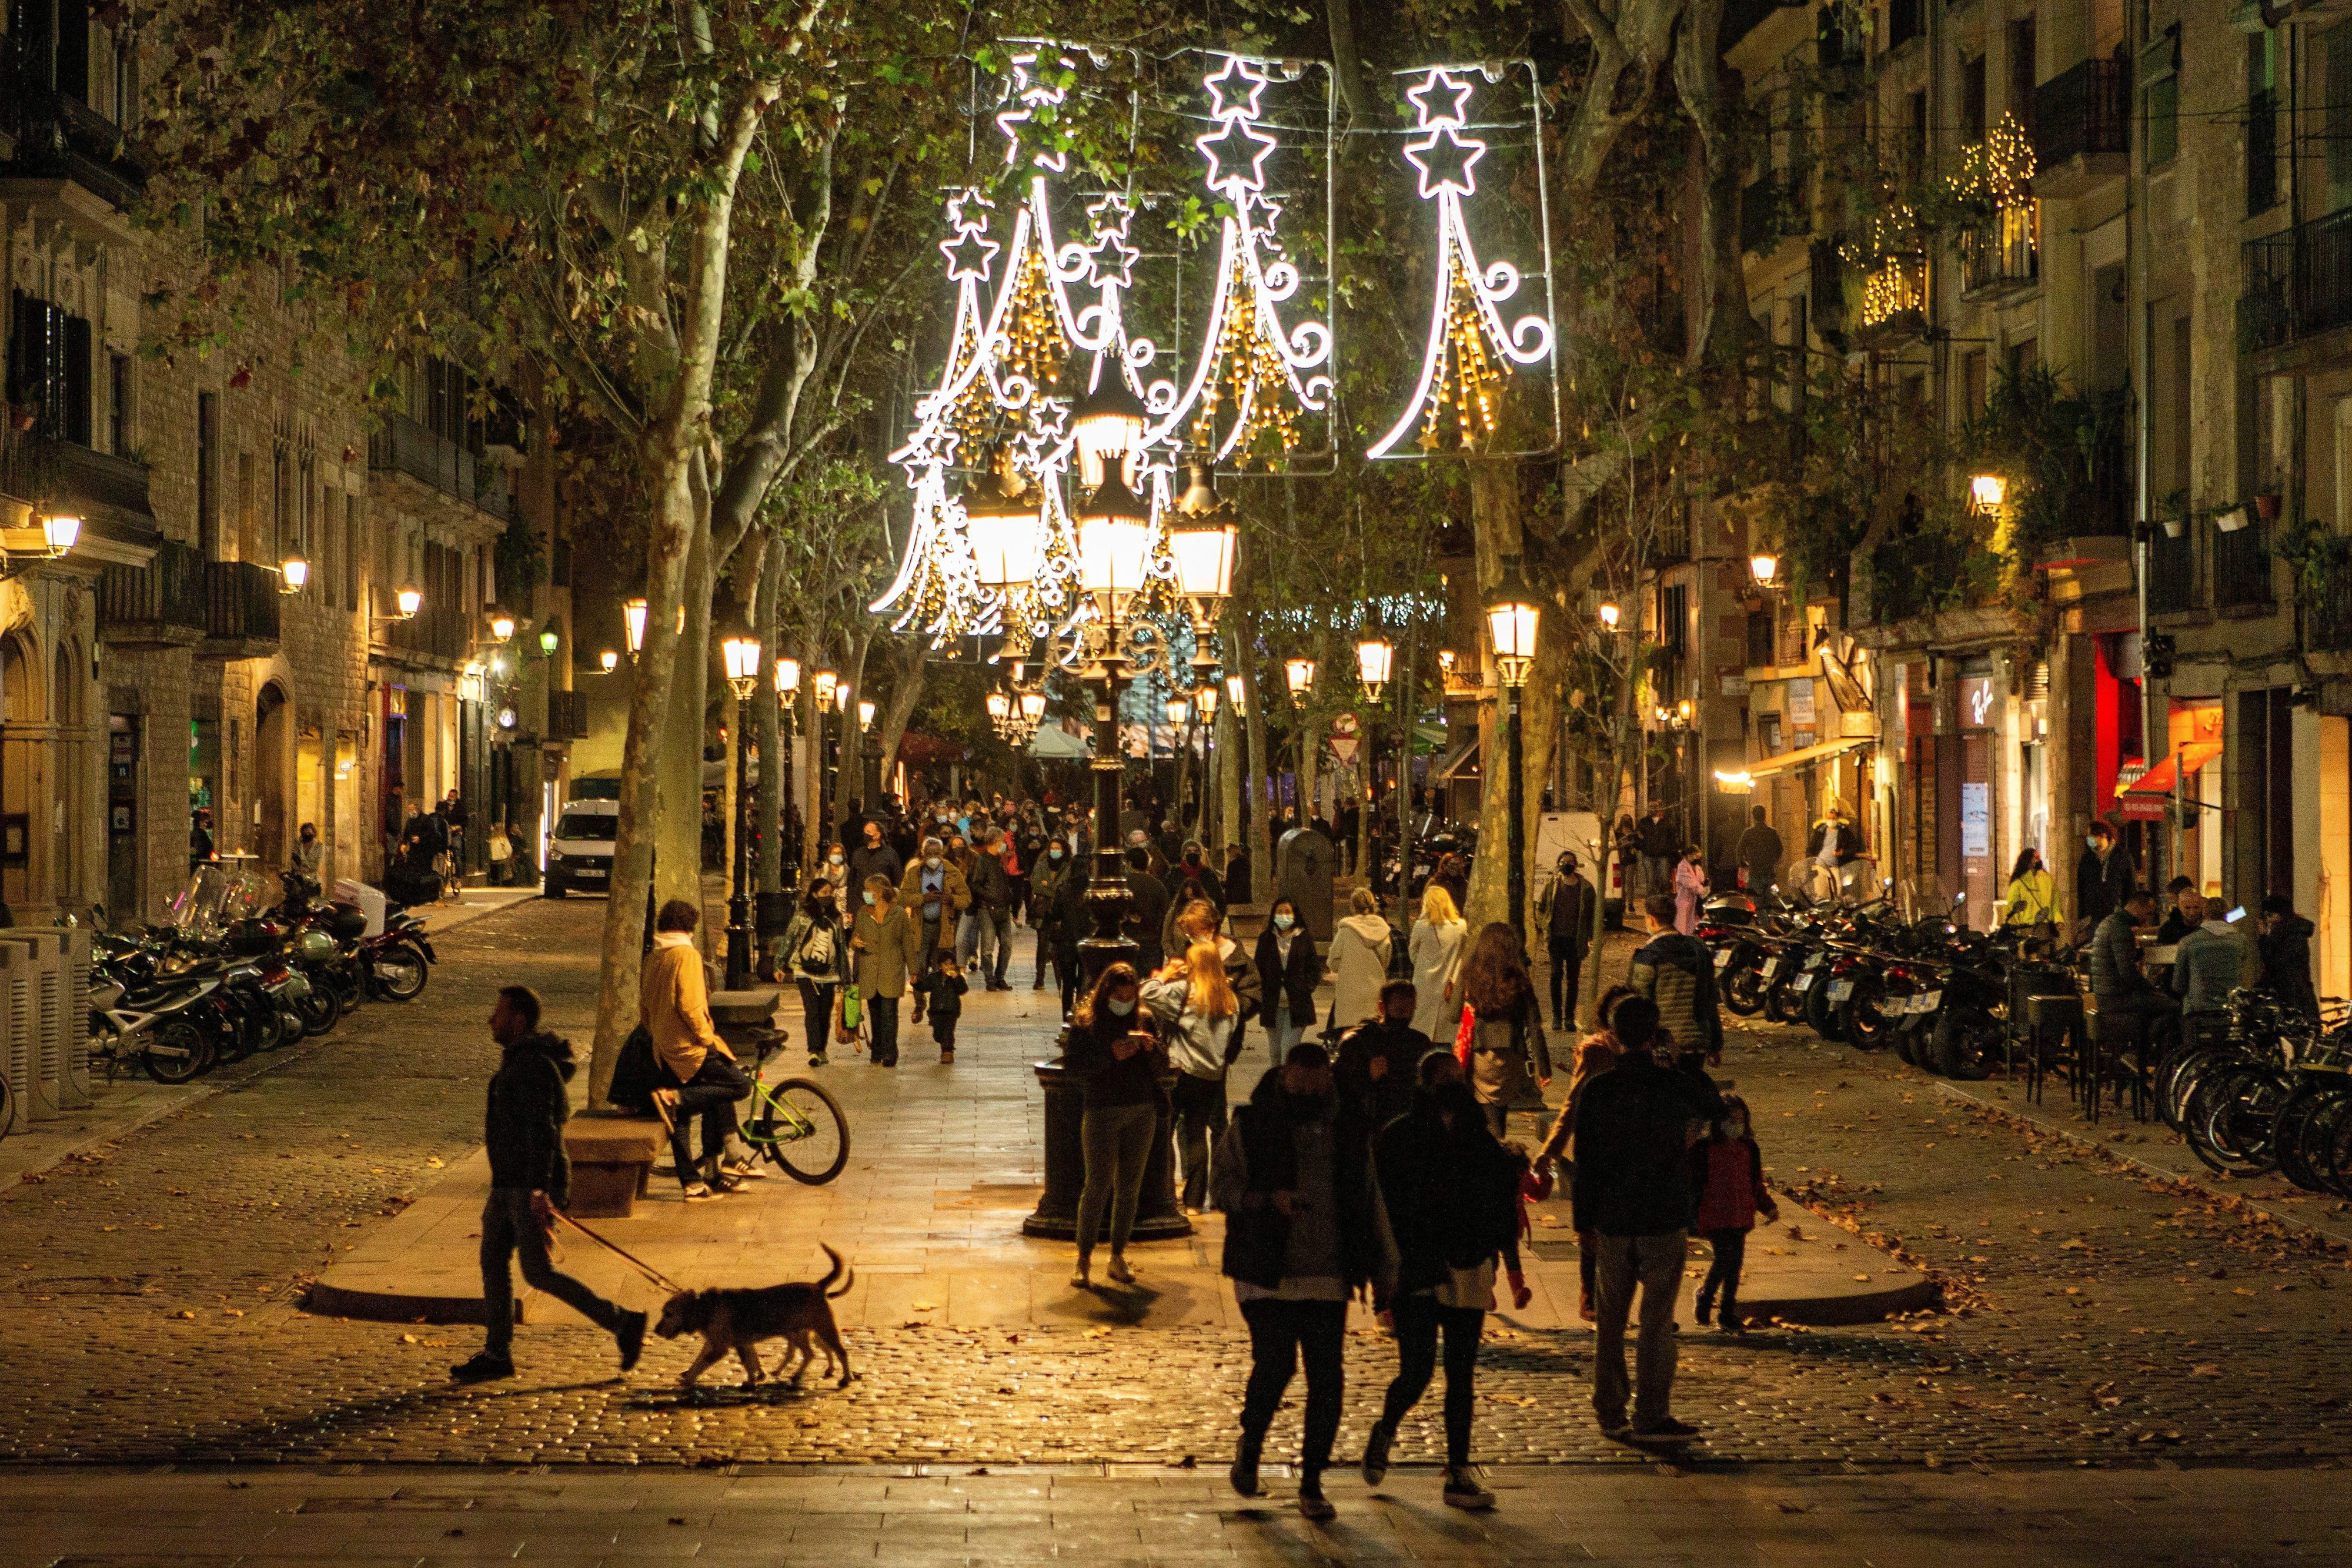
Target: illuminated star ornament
1468,345
1255,374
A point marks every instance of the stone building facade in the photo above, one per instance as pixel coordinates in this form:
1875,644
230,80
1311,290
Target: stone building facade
168,674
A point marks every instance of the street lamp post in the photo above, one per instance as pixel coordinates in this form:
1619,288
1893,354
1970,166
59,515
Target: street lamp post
870,755
741,651
1512,618
822,687
788,688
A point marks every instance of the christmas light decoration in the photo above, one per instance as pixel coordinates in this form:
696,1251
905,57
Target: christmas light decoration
1255,374
1469,346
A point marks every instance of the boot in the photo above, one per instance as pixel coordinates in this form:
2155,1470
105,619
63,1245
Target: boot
1244,1475
1703,1306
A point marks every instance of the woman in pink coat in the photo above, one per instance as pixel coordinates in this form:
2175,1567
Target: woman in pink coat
1690,890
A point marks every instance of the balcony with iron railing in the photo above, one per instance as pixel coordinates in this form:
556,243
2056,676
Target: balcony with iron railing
2004,255
1894,301
2242,567
159,605
1914,577
437,630
2082,128
405,446
242,610
2324,593
2298,283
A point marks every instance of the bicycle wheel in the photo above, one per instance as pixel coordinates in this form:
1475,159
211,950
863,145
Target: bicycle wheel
2233,1119
800,1127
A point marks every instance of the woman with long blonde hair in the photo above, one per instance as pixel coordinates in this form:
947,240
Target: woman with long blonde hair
1196,1007
1438,939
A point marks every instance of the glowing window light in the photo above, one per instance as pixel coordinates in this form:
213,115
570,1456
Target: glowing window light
632,621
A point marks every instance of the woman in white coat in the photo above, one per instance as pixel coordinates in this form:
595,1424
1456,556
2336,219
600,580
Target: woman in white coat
1361,946
1439,938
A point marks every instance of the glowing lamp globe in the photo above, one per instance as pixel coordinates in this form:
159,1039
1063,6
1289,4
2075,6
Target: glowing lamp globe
632,619
296,572
788,675
610,660
1106,425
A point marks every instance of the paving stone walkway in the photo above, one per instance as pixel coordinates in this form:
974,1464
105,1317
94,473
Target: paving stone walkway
2100,1314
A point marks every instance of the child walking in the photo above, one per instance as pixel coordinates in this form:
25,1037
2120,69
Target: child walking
1731,1195
942,991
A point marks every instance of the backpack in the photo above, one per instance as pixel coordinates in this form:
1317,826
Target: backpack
816,950
635,1075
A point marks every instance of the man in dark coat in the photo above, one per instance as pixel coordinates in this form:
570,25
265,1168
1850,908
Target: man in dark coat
1379,1061
1147,913
1293,1177
1761,850
1564,909
871,856
523,1129
2285,949
2103,874
1634,1126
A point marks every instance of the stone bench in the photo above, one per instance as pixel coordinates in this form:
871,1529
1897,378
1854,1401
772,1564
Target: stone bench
612,1160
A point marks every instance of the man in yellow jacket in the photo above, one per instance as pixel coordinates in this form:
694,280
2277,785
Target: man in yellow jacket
674,1004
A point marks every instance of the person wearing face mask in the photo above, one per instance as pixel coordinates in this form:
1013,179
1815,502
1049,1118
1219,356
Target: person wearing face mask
934,890
1050,870
816,955
1117,1061
1690,889
307,852
872,857
1450,1197
890,949
835,870
1293,1177
1377,1063
2103,875
1287,973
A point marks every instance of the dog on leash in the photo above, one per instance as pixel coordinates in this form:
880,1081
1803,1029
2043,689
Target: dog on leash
739,1320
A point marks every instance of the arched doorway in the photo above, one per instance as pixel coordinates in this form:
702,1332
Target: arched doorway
273,741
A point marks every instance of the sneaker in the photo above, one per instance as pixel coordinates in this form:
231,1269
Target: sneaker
946,1058
632,1335
1376,1453
1244,1475
1702,1308
1617,1429
743,1170
702,1192
1464,1489
1312,1504
1666,1431
817,1059
1120,1271
483,1368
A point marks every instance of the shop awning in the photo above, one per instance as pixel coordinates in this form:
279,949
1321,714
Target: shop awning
1805,757
1052,743
1455,761
2158,780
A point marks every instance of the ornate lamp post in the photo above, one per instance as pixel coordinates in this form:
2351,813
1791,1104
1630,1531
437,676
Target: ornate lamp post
1512,618
823,686
788,686
1114,553
741,651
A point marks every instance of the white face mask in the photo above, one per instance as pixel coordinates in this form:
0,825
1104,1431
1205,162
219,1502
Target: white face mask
1056,853
869,898
1120,1010
932,861
833,860
1282,922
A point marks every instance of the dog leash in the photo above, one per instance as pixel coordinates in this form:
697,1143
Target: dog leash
653,1274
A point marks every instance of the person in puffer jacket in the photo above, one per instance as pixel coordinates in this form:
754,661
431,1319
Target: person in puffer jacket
1677,974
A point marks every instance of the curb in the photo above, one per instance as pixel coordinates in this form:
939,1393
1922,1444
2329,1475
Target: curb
384,1307
1846,1310
2218,1191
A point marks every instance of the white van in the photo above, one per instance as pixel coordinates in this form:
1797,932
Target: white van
579,850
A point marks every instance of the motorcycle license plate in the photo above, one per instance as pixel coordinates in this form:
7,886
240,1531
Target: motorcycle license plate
1723,957
1927,1001
1772,968
1841,989
1801,983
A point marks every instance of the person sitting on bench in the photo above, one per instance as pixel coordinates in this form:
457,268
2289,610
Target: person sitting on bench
674,1004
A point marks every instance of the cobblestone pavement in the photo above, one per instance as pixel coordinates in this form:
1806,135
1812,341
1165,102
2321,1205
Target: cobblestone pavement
1114,1517
2098,1313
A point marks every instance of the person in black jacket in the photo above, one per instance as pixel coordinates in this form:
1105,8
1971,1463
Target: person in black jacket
529,1179
1073,922
1378,1060
1118,1061
1287,973
1293,1177
1451,1197
2103,876
1147,912
1634,1128
2285,949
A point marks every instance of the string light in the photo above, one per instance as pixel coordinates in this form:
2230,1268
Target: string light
1460,369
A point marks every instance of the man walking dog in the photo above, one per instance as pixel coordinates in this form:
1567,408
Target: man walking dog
529,1180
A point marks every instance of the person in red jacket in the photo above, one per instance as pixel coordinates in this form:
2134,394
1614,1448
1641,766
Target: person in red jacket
1729,1174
